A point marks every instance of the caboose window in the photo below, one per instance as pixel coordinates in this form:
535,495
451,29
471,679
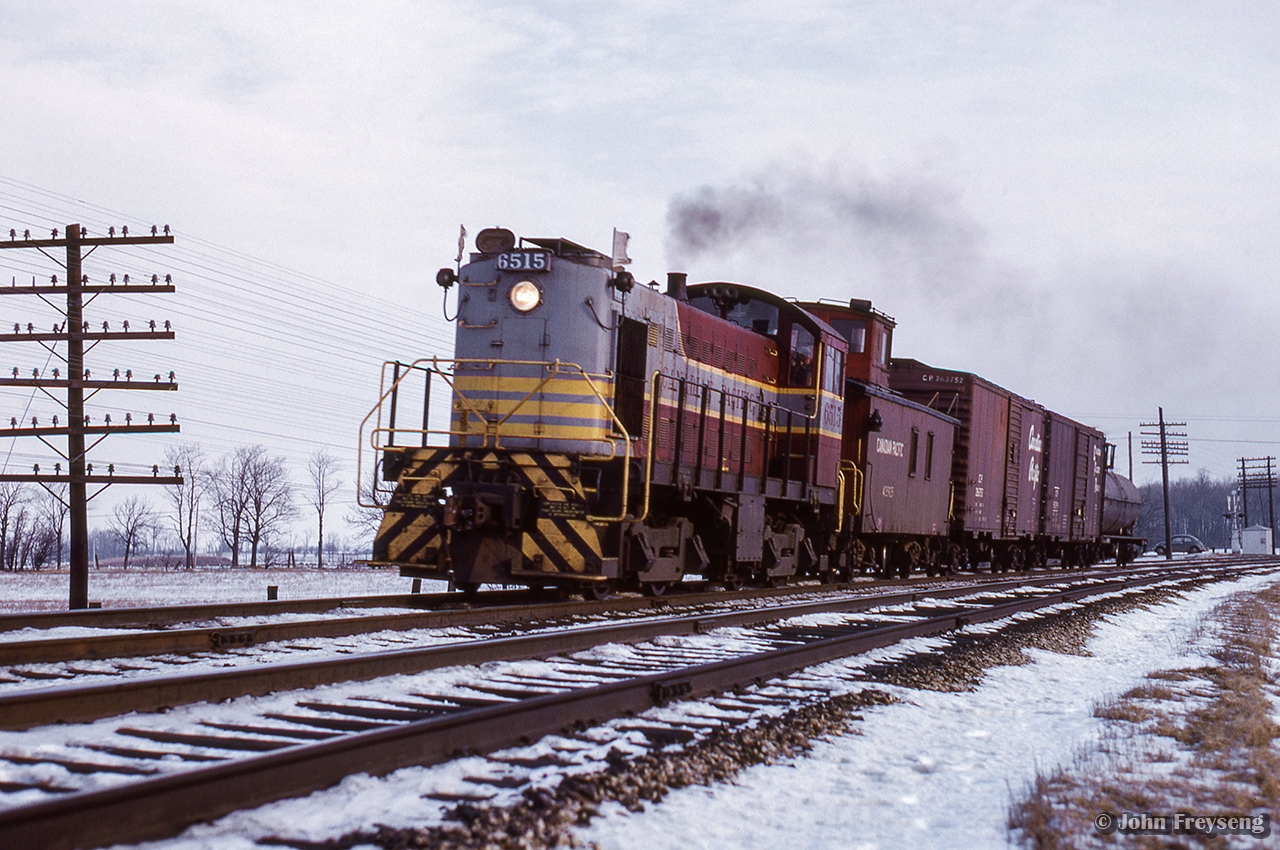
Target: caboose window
928,457
914,457
853,330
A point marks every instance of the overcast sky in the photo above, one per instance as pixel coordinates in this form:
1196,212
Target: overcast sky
1077,200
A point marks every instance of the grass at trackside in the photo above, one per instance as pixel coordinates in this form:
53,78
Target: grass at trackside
1197,740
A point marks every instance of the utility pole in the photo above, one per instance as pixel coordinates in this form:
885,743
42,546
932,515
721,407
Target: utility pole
74,331
1171,444
1258,473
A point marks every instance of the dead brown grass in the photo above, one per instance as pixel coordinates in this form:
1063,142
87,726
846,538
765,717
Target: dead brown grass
1218,719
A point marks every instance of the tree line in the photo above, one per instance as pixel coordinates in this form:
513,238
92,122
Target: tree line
1197,506
247,500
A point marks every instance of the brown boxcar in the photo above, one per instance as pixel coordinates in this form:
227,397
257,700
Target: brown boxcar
1028,481
1073,455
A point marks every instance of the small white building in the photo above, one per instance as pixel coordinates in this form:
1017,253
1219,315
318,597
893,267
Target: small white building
1256,540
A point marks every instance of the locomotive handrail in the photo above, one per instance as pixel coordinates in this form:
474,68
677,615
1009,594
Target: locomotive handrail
493,428
858,478
772,417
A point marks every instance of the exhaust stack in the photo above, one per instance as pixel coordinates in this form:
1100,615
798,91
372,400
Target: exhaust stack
676,282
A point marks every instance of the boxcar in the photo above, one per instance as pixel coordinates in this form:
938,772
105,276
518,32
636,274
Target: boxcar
1028,481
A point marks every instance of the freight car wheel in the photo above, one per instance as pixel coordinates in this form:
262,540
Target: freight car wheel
597,590
904,559
857,559
468,588
654,588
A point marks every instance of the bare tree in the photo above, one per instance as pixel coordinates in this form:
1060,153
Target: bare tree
323,469
12,496
230,498
42,543
269,506
187,497
254,500
367,520
132,520
16,553
56,509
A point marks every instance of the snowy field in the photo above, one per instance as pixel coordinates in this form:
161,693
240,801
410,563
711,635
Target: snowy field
935,770
49,590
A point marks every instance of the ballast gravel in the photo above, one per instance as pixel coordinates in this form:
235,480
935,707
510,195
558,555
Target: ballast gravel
547,816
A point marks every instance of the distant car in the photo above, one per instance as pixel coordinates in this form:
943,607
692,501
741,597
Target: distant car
1182,543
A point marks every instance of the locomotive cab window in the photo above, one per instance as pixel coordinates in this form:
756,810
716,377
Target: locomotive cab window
802,350
832,369
758,316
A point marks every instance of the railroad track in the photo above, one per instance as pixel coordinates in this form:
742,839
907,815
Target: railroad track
208,652
141,632
134,791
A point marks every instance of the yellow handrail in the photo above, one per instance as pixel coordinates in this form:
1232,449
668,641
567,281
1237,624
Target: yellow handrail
492,435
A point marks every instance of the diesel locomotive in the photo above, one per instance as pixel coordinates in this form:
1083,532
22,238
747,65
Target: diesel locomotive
606,435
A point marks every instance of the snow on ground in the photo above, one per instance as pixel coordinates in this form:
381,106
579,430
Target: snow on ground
49,590
936,770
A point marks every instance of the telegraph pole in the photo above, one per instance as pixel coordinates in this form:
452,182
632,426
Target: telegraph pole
1171,444
74,331
1258,473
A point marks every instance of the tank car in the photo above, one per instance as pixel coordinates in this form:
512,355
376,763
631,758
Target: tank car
604,434
1121,509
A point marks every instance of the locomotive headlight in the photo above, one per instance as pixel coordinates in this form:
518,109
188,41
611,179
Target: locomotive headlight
525,295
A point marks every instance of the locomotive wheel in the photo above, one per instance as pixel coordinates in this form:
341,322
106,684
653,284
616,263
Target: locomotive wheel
468,588
654,588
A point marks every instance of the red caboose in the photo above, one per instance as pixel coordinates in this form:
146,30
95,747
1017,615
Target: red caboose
897,451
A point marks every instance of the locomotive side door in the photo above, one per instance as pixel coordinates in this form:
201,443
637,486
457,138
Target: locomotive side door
630,373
